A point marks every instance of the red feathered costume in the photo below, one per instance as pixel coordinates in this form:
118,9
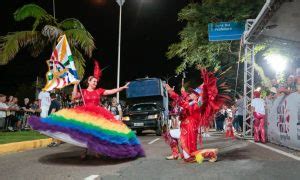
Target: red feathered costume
194,115
189,117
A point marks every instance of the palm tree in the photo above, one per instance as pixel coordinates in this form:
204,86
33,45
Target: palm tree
45,31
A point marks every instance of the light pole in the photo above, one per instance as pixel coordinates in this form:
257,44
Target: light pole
120,2
53,2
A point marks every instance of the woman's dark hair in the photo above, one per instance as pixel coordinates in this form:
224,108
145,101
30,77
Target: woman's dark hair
86,82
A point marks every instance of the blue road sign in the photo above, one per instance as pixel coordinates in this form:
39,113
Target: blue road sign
225,31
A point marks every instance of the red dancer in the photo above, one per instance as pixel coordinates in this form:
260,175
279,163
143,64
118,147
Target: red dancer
258,108
229,127
197,109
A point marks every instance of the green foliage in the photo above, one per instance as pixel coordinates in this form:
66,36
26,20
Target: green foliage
30,10
79,38
10,137
33,11
71,23
13,42
194,47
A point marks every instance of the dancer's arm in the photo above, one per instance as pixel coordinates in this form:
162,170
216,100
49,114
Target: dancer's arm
75,93
171,93
180,100
116,90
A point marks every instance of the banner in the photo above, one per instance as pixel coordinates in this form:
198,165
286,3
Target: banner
284,121
62,71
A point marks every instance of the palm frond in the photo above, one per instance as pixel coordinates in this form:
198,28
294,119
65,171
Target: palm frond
39,46
81,39
71,23
12,42
34,11
79,61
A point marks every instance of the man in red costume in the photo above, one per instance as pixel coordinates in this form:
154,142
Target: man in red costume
197,109
189,116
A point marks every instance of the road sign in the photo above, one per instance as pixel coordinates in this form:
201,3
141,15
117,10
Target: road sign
225,31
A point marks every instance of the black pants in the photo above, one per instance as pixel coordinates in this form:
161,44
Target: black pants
11,120
240,120
220,125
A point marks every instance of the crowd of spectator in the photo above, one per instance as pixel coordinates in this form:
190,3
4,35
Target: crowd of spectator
14,114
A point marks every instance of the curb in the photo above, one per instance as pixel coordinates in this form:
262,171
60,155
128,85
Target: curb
23,146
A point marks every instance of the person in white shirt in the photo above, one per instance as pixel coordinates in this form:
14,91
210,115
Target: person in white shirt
3,109
44,103
258,108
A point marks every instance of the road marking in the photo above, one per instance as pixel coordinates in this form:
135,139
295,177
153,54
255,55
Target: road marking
153,141
91,177
277,150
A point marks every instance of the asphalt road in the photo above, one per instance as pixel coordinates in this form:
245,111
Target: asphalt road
238,159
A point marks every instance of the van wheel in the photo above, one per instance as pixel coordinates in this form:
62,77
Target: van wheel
158,132
158,129
139,132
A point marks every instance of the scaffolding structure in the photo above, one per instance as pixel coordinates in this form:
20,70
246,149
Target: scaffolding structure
249,59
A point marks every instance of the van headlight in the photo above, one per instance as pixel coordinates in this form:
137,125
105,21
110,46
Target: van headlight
152,116
126,118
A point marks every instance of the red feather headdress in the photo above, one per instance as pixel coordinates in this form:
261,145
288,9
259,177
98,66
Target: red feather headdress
97,70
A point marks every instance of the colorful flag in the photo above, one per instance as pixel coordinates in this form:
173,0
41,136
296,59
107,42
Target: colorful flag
62,71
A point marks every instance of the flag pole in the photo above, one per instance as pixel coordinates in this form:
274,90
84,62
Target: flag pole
81,94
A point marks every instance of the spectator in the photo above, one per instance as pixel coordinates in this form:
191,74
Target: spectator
298,84
105,104
35,105
291,86
44,103
116,109
220,118
3,109
10,99
26,107
13,118
54,106
239,114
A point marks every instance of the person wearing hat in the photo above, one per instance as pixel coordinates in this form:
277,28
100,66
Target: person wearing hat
197,109
187,134
258,108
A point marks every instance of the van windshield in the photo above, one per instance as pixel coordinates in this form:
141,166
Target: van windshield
144,107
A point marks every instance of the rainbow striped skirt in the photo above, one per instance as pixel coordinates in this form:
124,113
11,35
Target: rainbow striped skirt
90,127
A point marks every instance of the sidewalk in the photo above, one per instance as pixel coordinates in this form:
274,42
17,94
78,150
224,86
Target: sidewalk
23,146
295,154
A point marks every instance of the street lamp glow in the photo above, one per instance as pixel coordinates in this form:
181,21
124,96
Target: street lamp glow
277,61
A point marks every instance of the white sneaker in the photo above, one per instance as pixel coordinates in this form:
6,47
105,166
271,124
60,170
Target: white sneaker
10,128
205,135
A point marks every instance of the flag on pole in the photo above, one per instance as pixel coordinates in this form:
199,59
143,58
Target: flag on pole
62,71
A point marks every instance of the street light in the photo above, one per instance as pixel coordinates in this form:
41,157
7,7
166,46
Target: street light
120,2
277,61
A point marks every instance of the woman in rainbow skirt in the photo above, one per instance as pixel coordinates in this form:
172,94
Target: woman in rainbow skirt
90,126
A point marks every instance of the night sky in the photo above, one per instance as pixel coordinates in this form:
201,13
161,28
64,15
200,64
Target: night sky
149,27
